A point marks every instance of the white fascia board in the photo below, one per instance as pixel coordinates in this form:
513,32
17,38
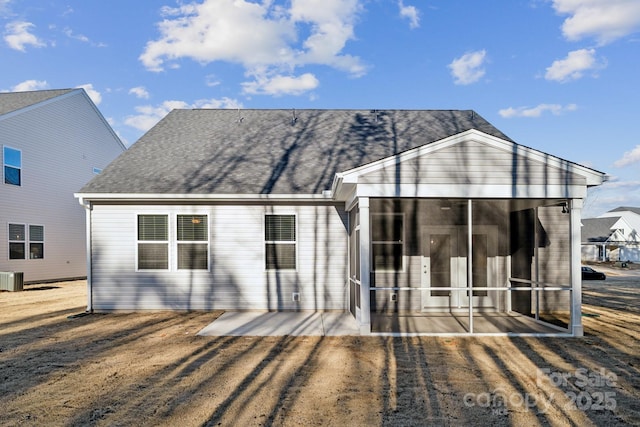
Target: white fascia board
592,176
473,191
132,197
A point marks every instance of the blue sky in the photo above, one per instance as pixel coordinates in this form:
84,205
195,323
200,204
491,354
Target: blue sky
560,76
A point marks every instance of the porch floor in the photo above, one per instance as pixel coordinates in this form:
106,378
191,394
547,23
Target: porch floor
458,323
257,323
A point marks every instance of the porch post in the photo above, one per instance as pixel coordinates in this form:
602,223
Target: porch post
576,272
365,268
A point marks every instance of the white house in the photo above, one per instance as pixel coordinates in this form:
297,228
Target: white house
412,221
52,142
612,236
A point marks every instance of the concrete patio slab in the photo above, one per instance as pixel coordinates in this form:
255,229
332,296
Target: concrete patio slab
250,323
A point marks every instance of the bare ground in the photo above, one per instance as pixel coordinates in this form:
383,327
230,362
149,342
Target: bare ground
143,369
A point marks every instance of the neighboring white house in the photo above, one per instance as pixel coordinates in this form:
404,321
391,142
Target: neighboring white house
612,236
52,142
413,221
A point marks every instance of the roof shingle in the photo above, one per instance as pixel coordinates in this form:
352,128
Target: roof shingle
271,151
13,101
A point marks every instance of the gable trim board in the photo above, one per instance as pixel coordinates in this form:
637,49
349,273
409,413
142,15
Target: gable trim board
486,171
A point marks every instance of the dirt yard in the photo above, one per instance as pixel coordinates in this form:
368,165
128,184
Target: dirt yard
149,369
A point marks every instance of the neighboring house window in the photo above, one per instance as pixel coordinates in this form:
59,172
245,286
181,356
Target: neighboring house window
153,242
17,241
97,171
36,241
387,241
280,242
12,160
193,242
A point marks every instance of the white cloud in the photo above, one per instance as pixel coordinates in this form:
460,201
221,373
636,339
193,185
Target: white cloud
281,85
211,80
263,37
615,182
139,92
628,158
29,85
149,115
17,36
69,33
605,20
468,68
573,66
537,111
411,13
95,96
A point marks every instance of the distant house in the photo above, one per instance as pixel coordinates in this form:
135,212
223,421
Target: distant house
412,221
613,236
52,142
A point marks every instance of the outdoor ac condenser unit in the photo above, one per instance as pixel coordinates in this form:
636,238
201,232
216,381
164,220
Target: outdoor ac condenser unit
11,281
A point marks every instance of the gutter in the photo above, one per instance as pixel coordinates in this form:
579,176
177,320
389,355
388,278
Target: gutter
85,198
88,208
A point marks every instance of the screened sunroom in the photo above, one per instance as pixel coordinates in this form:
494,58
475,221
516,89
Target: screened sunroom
455,266
469,235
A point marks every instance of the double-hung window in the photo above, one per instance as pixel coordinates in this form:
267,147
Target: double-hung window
280,242
387,241
193,242
17,241
36,241
12,161
153,242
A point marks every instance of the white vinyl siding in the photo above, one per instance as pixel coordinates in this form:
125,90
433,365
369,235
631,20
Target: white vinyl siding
473,162
236,278
60,141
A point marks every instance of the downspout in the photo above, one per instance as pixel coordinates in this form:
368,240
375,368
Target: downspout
88,208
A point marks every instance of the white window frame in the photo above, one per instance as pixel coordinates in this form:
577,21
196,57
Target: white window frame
172,241
30,241
24,241
4,165
138,242
386,242
198,242
287,242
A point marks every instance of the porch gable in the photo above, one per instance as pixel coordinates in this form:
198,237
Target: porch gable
471,164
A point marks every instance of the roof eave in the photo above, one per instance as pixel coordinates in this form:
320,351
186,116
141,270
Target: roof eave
158,197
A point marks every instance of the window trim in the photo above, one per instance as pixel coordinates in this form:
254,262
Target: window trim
197,242
5,165
280,242
138,242
172,241
24,241
30,241
387,242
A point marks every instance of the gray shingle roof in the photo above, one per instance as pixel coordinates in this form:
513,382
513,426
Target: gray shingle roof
271,151
13,101
597,229
626,209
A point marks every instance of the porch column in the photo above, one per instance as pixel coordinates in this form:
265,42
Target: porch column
576,272
365,268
